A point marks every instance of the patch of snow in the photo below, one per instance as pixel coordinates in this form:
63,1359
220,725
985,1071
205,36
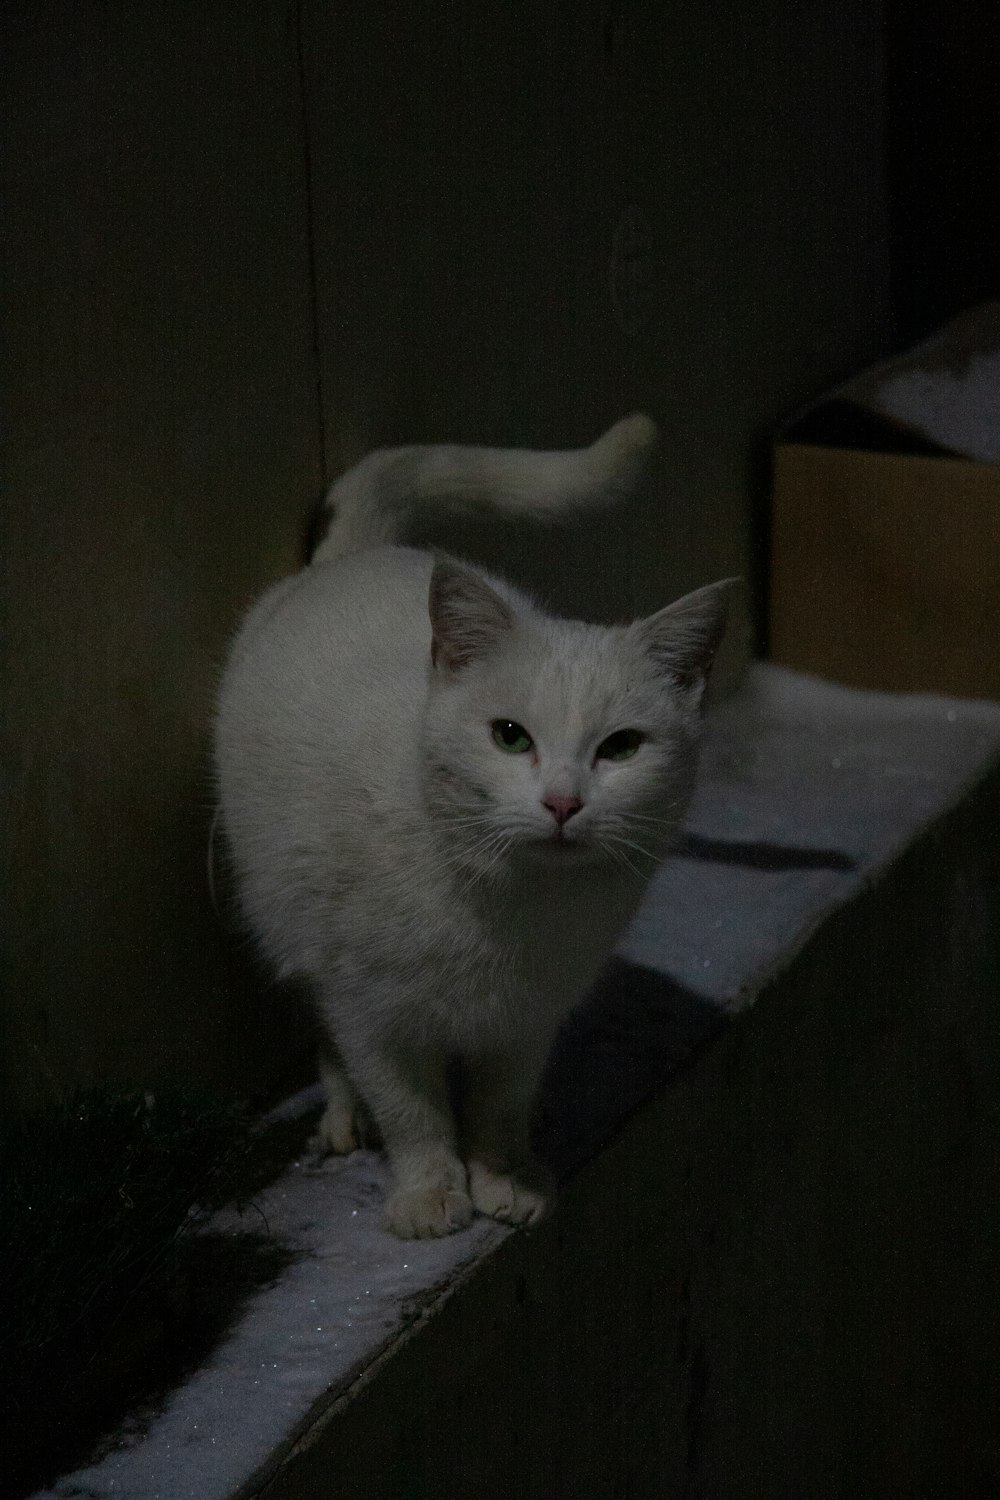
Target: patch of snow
351,1290
717,928
957,409
765,778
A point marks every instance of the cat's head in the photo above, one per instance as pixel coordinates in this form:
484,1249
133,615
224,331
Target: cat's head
554,739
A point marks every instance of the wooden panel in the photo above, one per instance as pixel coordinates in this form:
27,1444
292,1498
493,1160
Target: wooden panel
777,1281
531,219
885,567
162,449
527,220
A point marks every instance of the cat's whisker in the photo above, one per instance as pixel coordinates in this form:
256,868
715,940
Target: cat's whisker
620,858
472,821
620,839
651,819
619,846
493,859
630,821
479,858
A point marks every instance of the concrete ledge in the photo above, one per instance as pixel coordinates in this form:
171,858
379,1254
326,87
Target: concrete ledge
771,1269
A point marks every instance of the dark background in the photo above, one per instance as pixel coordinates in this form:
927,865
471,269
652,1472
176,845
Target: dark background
244,244
943,164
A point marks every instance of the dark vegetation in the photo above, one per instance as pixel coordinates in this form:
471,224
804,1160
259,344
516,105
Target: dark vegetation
111,1283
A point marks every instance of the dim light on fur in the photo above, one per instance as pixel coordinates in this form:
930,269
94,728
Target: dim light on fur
443,805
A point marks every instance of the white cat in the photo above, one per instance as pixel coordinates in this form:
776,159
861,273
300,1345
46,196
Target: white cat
443,805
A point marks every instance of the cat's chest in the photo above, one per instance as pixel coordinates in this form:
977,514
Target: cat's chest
534,940
565,929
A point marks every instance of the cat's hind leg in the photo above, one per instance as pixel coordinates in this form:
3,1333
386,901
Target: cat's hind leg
345,1123
506,1179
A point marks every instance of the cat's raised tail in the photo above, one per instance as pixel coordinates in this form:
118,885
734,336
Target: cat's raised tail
380,500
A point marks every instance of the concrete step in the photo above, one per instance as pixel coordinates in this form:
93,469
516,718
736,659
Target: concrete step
770,1271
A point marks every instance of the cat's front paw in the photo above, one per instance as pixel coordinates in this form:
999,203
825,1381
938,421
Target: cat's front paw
520,1197
427,1212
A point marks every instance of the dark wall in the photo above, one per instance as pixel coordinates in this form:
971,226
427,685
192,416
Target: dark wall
243,244
162,447
530,219
944,105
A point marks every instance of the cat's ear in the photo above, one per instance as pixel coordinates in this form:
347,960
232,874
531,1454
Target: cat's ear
683,638
468,617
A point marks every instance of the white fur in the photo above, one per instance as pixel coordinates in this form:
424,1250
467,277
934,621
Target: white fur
389,852
385,493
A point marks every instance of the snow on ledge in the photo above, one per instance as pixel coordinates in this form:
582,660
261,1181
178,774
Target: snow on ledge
806,791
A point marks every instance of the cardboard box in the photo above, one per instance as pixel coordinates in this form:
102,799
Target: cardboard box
885,552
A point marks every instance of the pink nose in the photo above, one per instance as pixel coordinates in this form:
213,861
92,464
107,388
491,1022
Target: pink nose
562,808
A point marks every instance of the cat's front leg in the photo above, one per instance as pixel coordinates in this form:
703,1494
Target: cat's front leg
407,1094
506,1179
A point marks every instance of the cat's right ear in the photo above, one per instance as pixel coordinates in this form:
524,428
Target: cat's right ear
684,638
468,617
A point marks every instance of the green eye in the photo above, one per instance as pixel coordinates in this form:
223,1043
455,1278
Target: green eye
621,745
510,736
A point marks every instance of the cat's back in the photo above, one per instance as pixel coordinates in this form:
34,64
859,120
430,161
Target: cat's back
370,602
328,671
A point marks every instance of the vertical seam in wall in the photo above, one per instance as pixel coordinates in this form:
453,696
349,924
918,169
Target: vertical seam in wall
307,165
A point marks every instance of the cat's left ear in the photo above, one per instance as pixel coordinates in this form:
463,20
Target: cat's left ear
683,638
468,617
